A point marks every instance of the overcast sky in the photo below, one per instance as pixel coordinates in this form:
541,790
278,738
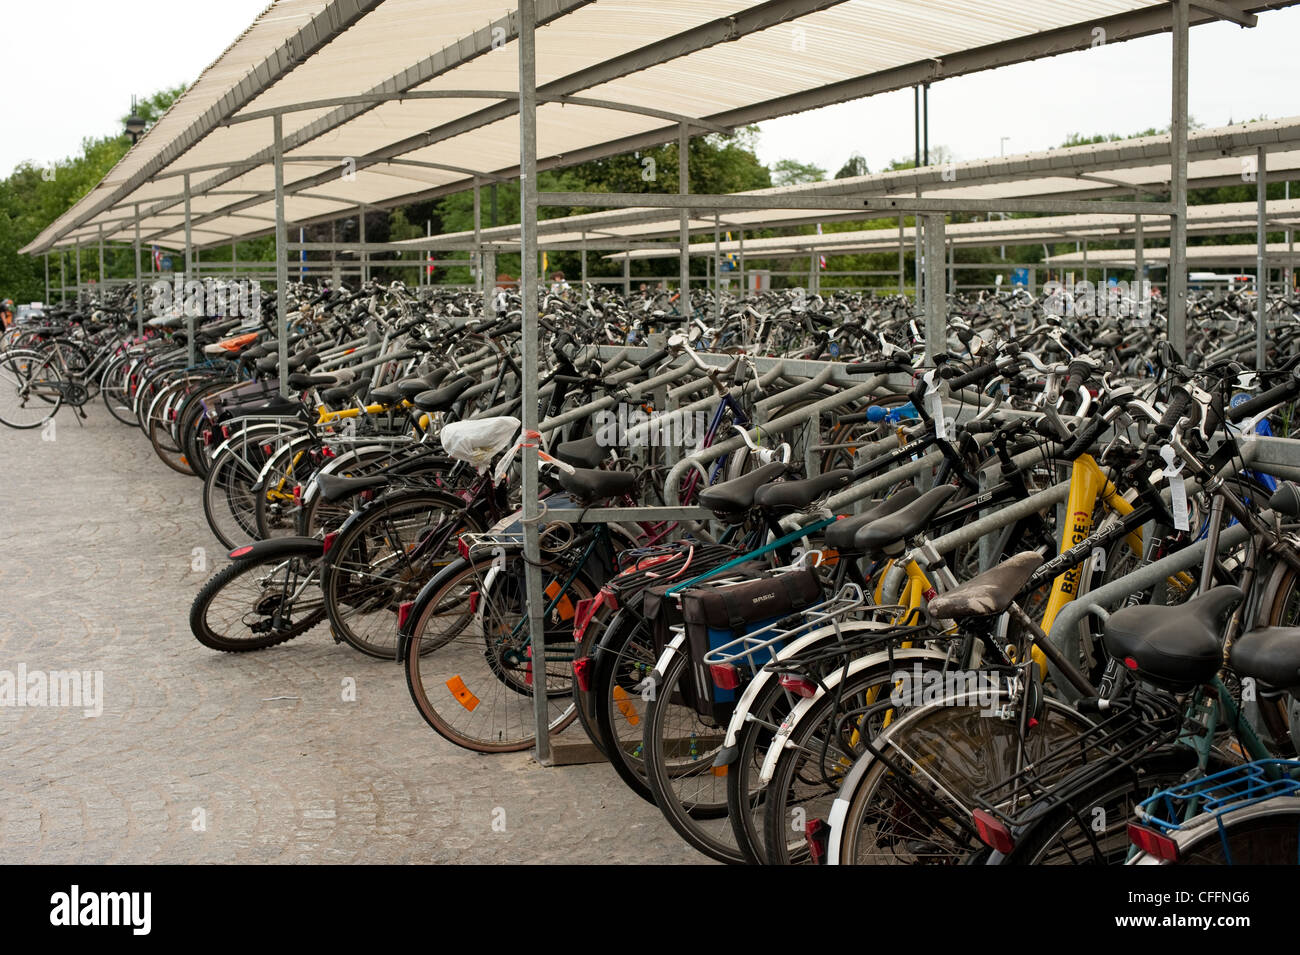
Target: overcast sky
70,67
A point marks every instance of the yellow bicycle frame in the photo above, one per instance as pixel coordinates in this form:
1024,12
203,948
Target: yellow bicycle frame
1087,483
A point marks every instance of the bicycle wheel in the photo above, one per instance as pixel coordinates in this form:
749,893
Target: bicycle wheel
31,389
475,687
1265,834
116,388
1091,828
910,801
679,746
624,657
382,557
275,508
258,603
161,418
747,795
827,738
229,502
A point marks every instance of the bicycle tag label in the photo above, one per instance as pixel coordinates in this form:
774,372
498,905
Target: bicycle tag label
1177,490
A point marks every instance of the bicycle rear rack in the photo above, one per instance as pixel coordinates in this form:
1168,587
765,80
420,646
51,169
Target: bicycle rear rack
1220,793
1101,751
753,648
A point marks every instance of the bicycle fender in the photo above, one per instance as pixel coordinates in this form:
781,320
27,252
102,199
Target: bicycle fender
279,547
782,737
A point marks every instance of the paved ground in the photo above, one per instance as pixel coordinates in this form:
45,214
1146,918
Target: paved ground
194,759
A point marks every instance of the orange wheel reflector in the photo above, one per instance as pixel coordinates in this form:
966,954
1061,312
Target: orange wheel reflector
462,694
565,606
624,704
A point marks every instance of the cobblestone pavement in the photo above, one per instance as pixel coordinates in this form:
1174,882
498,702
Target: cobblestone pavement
200,756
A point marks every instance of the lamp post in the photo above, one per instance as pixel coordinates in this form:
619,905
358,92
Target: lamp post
134,124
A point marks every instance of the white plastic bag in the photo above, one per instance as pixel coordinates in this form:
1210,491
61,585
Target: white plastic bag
478,442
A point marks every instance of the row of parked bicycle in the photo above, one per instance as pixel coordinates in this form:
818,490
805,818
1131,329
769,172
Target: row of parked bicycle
1032,601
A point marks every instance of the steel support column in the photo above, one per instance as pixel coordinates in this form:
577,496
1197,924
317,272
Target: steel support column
1139,266
139,283
684,222
1261,259
936,303
281,264
477,266
1176,280
717,272
192,347
101,260
46,301
902,272
365,256
744,289
528,287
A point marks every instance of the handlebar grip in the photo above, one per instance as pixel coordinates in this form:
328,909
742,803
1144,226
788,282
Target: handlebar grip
1265,399
987,426
1174,412
977,374
650,361
1079,372
1085,438
1044,427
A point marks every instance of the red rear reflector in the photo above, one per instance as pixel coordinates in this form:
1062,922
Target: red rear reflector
473,601
1153,843
797,685
208,438
462,548
241,551
297,495
327,453
582,673
725,676
582,616
404,611
268,449
1130,663
329,542
817,834
225,431
992,832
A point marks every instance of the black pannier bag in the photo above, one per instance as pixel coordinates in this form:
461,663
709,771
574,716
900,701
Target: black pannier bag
716,615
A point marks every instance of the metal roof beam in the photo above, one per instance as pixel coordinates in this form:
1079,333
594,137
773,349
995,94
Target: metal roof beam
334,19
873,203
1225,12
721,30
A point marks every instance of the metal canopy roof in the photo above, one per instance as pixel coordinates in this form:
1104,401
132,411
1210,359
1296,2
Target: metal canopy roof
422,95
1218,219
1120,168
1245,254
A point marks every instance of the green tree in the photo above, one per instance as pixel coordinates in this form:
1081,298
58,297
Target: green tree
790,172
33,196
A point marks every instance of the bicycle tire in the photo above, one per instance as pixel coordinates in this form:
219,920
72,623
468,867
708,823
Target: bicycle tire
218,586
